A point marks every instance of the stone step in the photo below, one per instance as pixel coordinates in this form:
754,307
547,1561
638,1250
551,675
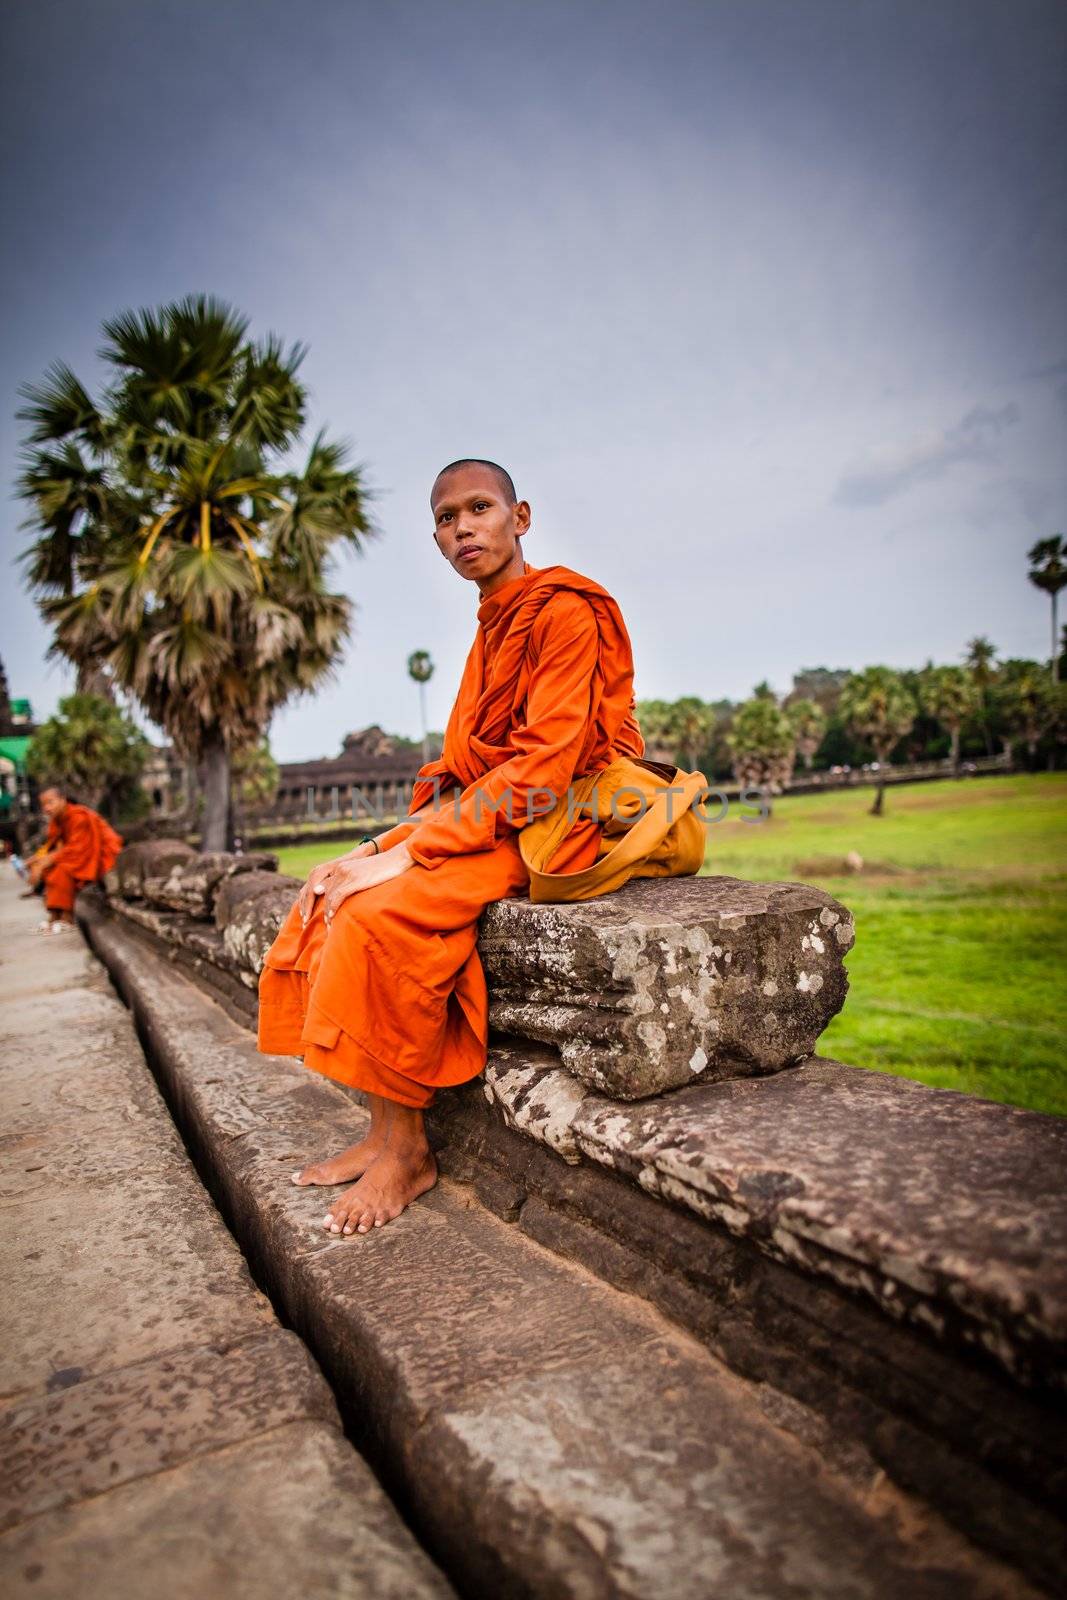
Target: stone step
160,1433
549,1435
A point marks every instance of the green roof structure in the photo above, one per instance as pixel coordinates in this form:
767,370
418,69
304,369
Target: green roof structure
14,747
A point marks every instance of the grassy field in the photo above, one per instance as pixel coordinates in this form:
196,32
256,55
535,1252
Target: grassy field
961,924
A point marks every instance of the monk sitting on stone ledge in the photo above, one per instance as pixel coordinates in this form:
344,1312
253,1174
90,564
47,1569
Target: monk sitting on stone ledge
79,848
375,978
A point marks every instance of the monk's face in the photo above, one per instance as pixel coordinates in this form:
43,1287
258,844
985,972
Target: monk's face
53,804
476,529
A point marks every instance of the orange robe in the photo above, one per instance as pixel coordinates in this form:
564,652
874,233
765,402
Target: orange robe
88,847
392,999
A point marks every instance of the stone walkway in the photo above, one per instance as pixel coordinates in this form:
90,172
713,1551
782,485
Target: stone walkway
160,1433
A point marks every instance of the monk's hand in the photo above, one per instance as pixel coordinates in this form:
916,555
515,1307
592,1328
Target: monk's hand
319,877
317,880
352,875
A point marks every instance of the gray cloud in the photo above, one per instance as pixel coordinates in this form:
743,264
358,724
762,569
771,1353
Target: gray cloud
883,473
1057,369
1002,501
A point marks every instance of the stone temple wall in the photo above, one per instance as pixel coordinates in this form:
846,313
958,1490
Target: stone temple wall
889,1256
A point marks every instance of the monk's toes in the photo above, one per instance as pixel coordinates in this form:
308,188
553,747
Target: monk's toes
344,1213
362,1217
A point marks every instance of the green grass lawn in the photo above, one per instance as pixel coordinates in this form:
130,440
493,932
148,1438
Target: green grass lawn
961,924
956,975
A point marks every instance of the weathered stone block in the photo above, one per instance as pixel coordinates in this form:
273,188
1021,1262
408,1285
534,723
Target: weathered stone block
536,1099
670,981
192,884
950,1211
152,857
249,911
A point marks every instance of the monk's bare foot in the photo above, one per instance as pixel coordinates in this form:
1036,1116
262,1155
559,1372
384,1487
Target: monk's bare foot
401,1173
351,1163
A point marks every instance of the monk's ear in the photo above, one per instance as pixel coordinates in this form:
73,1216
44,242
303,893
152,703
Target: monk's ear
522,516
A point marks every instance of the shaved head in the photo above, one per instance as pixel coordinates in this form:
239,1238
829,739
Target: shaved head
507,487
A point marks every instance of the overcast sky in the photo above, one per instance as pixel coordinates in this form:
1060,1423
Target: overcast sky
760,301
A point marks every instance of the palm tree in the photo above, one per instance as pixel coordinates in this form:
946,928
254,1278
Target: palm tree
690,721
763,745
656,721
1048,571
949,696
175,550
1028,703
420,667
877,706
808,721
981,663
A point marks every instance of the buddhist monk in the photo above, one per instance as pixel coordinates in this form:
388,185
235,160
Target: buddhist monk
375,979
79,848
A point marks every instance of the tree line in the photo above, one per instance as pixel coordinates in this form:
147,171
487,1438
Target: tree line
839,718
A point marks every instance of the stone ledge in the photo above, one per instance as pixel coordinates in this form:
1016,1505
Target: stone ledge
668,981
552,1436
193,885
948,1211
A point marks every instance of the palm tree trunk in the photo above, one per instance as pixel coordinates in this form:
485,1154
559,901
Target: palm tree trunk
985,722
217,829
879,797
192,789
422,714
1055,651
955,736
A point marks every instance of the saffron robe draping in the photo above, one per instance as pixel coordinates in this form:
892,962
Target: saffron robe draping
392,999
87,848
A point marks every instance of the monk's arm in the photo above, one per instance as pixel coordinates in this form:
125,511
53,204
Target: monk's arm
392,836
76,851
47,854
359,869
338,875
546,746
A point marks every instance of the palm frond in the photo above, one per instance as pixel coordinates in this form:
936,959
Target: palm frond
60,406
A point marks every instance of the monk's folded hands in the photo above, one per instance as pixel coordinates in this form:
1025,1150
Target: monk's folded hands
319,877
317,880
351,876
